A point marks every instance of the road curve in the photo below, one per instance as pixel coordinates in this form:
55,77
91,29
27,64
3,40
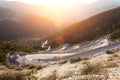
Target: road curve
86,54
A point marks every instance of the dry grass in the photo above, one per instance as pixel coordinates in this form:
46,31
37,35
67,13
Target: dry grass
91,78
12,75
14,67
3,68
115,56
95,68
110,64
91,69
50,77
18,68
11,66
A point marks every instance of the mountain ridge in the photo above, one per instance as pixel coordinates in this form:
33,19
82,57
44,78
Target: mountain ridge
30,25
89,29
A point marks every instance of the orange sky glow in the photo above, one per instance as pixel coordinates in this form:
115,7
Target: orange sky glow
57,8
48,2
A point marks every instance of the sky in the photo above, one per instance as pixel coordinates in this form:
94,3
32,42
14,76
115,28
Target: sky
51,2
58,9
68,11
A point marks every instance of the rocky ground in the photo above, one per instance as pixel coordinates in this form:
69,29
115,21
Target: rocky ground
103,66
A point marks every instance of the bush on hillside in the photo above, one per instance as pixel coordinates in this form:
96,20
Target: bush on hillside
115,35
10,48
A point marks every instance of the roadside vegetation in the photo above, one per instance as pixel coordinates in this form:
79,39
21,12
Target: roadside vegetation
18,75
14,72
12,75
116,35
7,48
34,66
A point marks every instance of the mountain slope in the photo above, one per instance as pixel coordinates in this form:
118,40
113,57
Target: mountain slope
74,13
88,29
30,25
81,12
5,13
16,6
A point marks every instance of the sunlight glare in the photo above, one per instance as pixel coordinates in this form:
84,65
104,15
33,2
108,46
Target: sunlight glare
56,9
57,2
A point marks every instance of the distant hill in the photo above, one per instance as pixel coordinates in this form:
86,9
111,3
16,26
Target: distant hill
30,25
88,29
18,7
5,13
76,13
18,20
82,12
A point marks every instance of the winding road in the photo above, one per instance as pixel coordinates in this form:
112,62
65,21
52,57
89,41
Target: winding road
86,54
67,58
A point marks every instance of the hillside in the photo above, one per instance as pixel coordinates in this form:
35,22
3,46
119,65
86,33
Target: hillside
85,10
88,29
5,13
30,25
16,6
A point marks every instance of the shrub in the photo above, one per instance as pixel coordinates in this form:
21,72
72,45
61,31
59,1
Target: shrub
75,60
10,48
62,62
115,35
85,58
35,66
3,58
109,52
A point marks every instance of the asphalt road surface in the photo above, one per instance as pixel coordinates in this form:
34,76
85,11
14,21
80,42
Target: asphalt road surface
86,54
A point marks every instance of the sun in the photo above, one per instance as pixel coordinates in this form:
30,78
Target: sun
58,23
57,10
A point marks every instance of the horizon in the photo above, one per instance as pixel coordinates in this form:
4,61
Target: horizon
63,13
57,8
55,2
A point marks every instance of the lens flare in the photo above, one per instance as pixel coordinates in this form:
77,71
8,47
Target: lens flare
59,40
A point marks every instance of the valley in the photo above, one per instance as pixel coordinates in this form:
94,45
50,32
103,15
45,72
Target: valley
60,40
55,56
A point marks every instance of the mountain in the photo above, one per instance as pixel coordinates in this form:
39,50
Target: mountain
19,20
21,8
88,29
38,25
5,13
82,12
18,7
30,25
77,12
